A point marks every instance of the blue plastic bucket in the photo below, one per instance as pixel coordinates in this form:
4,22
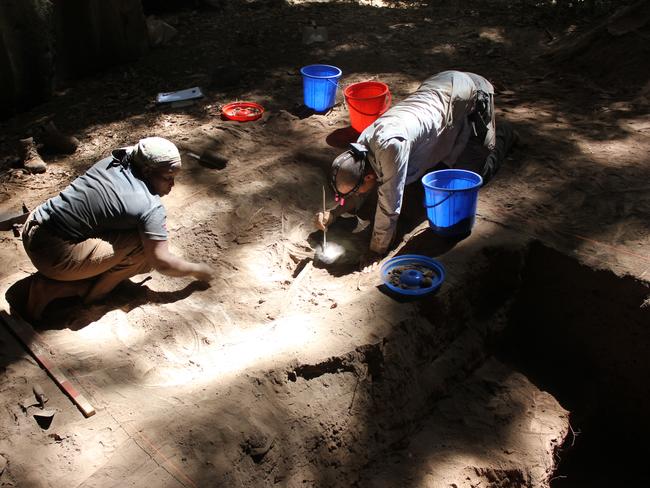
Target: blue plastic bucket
450,197
319,84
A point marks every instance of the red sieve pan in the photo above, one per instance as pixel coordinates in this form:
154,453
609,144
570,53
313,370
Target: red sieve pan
242,111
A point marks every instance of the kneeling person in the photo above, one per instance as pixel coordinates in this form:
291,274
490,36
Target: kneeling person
106,226
447,122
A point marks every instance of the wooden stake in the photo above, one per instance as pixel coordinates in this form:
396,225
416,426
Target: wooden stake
39,350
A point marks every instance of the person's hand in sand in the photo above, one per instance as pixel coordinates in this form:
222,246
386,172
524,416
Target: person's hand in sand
369,261
322,220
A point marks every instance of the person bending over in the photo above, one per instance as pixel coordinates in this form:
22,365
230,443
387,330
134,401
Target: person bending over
448,122
108,225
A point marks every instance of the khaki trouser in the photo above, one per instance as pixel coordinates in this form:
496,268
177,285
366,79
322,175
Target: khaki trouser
110,258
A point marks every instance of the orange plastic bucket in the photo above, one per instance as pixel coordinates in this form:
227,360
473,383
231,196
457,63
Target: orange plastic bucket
366,101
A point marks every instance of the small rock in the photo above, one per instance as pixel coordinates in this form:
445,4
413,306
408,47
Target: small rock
3,464
258,444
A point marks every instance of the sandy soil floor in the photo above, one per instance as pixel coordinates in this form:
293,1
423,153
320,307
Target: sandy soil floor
284,373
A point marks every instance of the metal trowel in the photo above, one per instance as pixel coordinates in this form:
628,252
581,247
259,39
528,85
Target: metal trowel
210,159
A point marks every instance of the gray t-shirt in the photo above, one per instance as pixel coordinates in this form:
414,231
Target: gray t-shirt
108,197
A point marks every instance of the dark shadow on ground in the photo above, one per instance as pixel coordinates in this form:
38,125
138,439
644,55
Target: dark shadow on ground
427,243
341,138
403,298
347,240
71,313
302,111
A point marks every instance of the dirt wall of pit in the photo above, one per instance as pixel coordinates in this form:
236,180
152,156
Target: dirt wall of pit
585,333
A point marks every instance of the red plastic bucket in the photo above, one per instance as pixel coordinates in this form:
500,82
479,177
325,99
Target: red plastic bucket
366,101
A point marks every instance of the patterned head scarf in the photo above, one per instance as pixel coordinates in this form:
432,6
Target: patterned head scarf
155,153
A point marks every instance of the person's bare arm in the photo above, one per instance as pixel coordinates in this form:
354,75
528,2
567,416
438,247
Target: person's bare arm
167,263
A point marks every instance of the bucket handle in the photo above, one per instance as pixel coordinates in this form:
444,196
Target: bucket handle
440,202
336,83
384,108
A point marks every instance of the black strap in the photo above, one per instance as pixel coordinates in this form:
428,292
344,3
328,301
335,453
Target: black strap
359,152
120,157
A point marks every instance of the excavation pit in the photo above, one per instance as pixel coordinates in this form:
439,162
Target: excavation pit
549,347
583,335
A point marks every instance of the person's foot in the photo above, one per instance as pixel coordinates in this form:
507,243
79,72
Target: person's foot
37,298
32,161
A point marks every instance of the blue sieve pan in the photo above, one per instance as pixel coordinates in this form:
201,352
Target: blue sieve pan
412,274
